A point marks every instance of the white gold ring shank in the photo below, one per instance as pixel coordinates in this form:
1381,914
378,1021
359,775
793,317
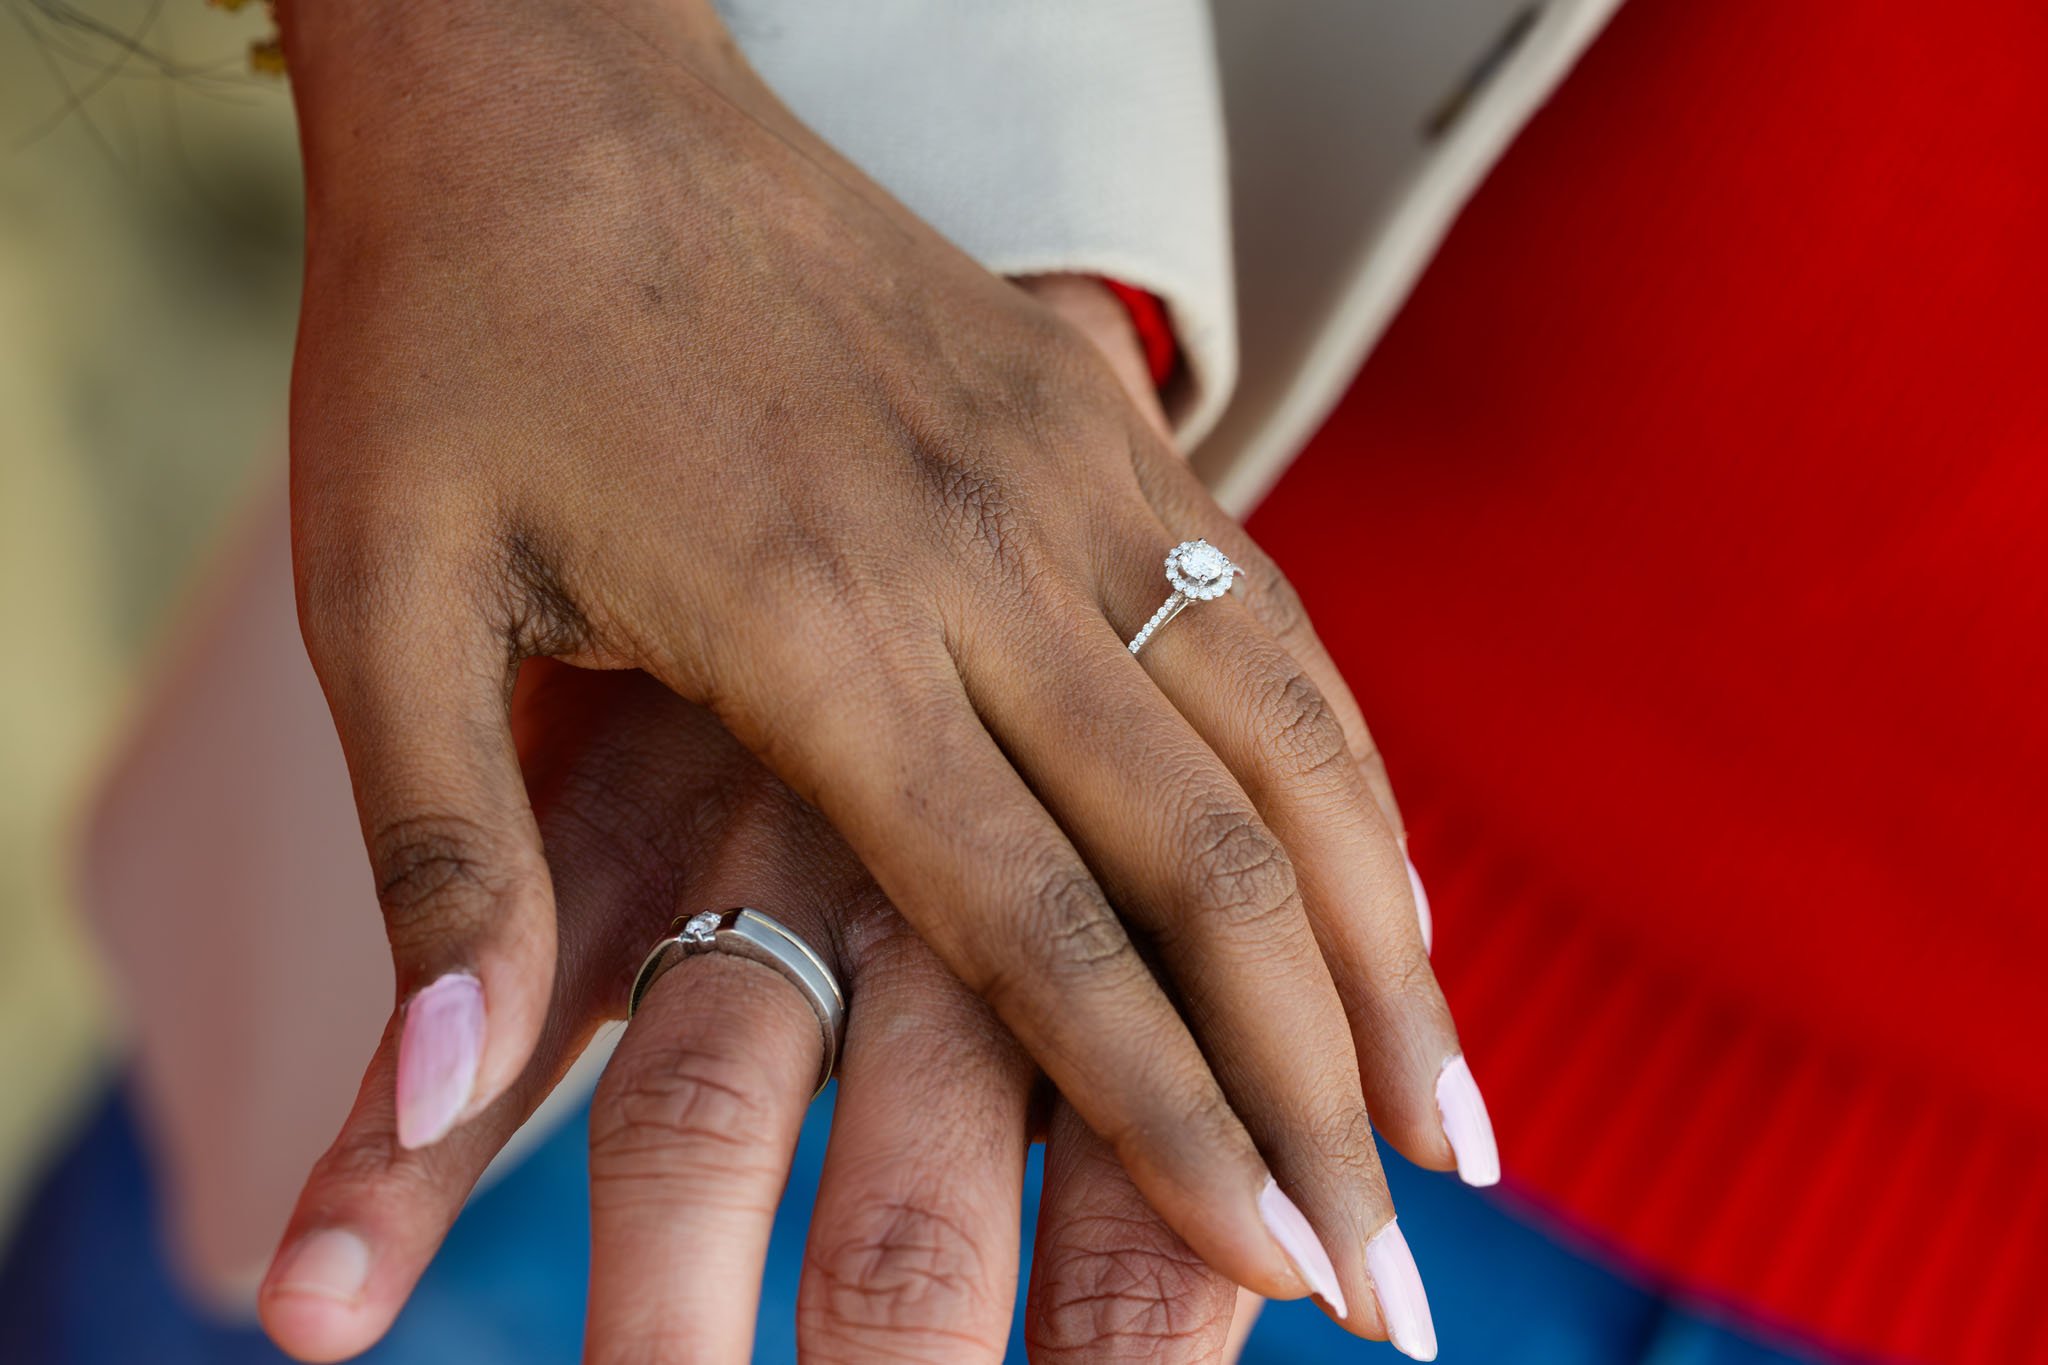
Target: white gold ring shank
759,938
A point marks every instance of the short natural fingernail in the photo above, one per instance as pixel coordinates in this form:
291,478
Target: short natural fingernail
1398,1285
1290,1228
330,1264
437,1057
1466,1123
1422,915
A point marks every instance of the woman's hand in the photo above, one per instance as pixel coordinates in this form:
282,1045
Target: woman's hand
650,810
604,357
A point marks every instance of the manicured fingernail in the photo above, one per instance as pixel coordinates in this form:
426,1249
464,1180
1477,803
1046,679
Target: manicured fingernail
1292,1231
1466,1124
1398,1285
1421,904
437,1057
330,1264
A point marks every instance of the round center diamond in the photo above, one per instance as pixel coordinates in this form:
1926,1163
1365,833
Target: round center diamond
1203,562
701,926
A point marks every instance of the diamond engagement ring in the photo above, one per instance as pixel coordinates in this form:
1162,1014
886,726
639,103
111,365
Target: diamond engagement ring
758,938
1197,572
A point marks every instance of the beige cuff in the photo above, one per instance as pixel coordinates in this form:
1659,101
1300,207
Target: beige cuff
1054,135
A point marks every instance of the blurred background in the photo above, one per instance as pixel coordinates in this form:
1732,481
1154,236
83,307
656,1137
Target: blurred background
149,273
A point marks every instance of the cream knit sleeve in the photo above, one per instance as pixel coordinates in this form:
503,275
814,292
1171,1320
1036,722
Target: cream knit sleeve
1039,135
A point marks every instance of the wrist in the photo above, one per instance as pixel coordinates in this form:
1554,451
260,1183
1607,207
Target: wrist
400,102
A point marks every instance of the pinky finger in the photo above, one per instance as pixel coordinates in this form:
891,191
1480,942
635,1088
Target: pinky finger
1273,602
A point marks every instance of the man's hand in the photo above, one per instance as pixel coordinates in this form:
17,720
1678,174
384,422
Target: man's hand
651,810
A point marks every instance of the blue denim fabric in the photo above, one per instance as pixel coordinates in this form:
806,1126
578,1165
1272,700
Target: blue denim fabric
83,1280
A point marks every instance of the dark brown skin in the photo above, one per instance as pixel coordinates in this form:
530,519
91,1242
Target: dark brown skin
605,358
650,808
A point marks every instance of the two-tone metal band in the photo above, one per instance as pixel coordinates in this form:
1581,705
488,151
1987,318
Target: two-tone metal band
759,938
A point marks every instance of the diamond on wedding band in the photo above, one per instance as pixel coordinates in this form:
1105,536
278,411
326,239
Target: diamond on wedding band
761,938
1197,572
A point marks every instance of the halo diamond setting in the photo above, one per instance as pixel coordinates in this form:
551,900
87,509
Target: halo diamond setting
1198,572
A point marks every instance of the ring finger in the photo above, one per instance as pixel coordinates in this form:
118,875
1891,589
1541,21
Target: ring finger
1286,726
1271,726
1188,859
692,1131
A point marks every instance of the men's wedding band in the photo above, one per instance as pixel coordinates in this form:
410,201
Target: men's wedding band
763,939
1197,572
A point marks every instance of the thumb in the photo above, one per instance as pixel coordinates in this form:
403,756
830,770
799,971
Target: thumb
421,708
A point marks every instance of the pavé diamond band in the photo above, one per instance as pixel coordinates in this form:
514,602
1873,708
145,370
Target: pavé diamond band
1197,572
758,938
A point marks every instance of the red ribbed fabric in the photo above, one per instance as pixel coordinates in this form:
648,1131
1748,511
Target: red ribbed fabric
1155,331
1701,496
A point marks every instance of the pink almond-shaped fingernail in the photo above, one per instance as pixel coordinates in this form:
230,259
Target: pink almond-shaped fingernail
1466,1124
1397,1284
438,1055
1291,1229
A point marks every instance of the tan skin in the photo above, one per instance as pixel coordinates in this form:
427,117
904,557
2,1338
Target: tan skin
605,358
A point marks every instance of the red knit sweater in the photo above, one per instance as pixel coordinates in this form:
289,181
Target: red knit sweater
1705,483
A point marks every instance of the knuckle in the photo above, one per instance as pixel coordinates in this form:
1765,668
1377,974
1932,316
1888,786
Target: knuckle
1412,984
1302,732
608,814
1210,1124
973,502
1192,1126
1070,933
1121,1287
355,588
1405,1001
1344,1138
890,1270
876,937
1063,938
1239,872
365,1164
804,575
986,455
361,1157
440,875
824,565
657,1114
1276,601
1056,383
